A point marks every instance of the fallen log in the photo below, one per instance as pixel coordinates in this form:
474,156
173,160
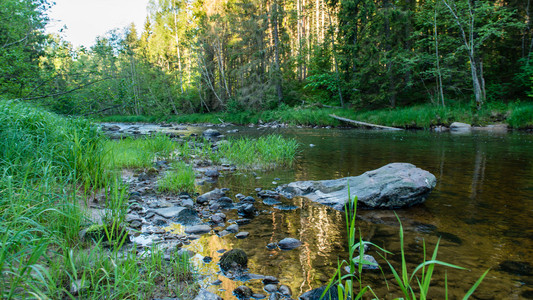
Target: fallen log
364,123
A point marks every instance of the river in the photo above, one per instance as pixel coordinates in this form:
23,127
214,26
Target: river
481,209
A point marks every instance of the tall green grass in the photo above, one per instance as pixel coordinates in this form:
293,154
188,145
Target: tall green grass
415,285
265,152
48,166
180,178
138,152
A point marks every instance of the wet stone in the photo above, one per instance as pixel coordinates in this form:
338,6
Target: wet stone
242,235
223,233
248,199
369,262
286,207
285,290
289,244
243,221
271,201
233,228
272,246
270,280
268,194
234,260
160,222
136,224
271,288
258,296
207,259
243,292
212,173
198,229
247,210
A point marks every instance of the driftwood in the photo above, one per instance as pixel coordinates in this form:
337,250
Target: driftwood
365,124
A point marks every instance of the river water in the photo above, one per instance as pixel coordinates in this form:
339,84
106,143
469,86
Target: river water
481,209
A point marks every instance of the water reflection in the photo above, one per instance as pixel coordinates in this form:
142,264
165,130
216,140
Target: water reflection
481,209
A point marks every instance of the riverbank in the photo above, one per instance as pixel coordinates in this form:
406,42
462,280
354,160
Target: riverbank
515,115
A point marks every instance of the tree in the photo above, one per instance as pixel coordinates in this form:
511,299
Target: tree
21,38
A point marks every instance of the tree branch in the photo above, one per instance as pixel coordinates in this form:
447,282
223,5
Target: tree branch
65,92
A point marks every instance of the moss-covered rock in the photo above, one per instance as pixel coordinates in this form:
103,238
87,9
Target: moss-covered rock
234,260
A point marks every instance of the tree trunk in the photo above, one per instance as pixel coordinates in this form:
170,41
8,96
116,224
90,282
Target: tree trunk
277,71
437,58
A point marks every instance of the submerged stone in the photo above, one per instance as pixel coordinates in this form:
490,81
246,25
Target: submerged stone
286,207
234,260
271,201
289,244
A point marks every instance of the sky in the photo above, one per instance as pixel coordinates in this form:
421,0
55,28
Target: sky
87,19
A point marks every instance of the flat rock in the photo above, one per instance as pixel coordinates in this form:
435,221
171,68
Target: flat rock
395,185
212,195
242,235
198,229
169,212
460,127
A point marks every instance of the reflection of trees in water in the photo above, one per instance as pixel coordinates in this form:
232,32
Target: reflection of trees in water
321,230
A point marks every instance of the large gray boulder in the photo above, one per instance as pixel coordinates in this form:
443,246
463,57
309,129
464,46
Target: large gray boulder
395,185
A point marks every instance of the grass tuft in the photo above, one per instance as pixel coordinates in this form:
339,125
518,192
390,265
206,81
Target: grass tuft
180,178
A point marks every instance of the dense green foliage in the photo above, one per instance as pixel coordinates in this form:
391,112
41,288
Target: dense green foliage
234,56
50,166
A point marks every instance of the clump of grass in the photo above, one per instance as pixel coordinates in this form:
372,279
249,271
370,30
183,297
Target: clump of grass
139,152
179,178
413,286
521,116
265,152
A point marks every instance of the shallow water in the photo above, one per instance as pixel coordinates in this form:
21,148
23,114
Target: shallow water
481,209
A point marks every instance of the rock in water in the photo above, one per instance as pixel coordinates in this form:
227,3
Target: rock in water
331,294
211,133
234,260
392,186
289,244
243,292
460,127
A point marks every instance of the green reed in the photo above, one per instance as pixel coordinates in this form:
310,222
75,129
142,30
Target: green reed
414,285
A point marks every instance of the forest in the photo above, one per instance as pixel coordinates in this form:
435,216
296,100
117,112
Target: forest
199,56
